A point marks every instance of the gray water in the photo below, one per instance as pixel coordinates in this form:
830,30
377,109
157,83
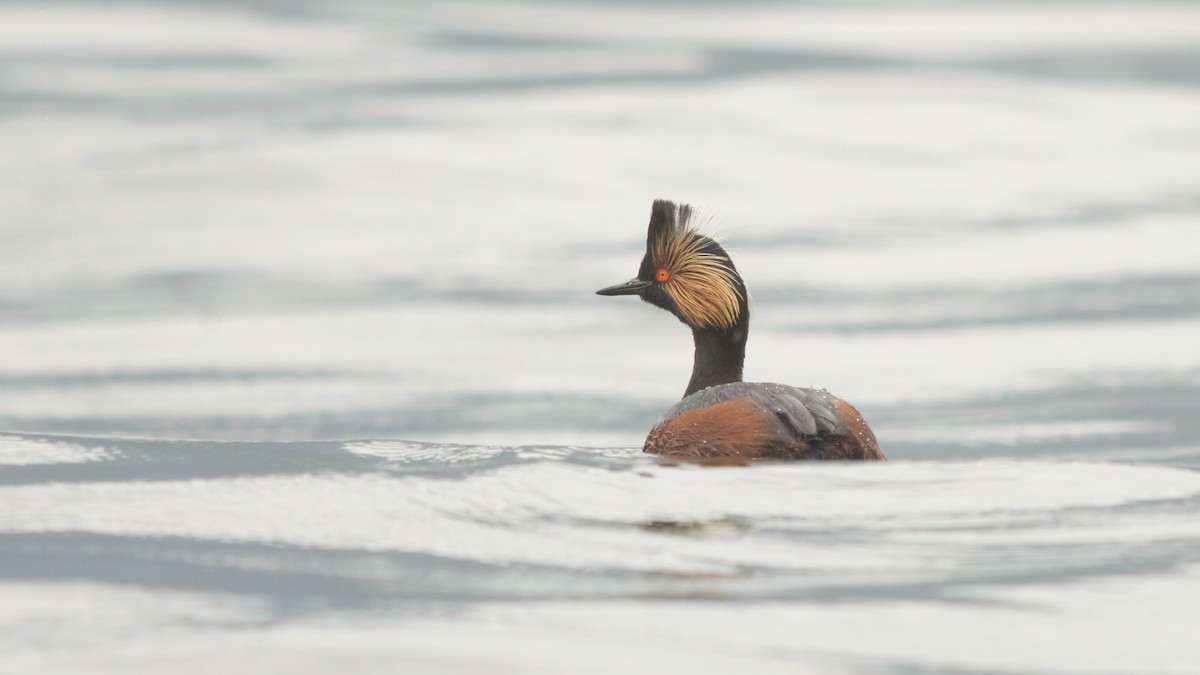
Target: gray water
301,369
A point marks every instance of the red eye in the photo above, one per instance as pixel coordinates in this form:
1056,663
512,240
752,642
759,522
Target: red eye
662,274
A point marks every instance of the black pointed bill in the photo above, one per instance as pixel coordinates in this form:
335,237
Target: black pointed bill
631,287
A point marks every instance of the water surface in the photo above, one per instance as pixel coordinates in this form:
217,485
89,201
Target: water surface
301,368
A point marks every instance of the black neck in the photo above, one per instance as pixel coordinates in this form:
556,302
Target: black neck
720,354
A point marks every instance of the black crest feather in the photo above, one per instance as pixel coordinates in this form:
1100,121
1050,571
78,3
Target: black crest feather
665,218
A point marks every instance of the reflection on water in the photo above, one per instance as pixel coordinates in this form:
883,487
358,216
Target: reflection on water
273,228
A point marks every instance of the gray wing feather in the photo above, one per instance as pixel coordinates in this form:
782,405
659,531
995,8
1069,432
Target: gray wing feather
792,410
805,412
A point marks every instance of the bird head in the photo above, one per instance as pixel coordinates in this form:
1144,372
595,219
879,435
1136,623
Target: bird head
686,273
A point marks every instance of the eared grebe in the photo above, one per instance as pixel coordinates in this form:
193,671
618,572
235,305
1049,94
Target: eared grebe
692,277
